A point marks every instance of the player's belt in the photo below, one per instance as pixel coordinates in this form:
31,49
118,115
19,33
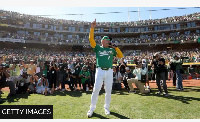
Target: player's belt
104,68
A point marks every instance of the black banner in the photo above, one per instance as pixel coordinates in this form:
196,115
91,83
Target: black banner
26,111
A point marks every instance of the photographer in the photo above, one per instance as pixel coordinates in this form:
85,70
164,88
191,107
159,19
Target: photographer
173,70
62,74
160,71
14,70
22,83
117,78
71,77
33,82
128,75
154,63
52,75
122,67
77,67
85,78
3,83
179,71
161,75
42,86
90,66
144,75
138,72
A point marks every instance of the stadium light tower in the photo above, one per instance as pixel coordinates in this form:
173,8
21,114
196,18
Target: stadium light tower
128,15
150,13
139,14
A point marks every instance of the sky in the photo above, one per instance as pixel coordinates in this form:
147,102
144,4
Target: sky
90,12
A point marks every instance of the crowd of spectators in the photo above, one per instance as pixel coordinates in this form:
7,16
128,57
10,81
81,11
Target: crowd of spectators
41,71
192,37
192,55
46,20
130,56
190,17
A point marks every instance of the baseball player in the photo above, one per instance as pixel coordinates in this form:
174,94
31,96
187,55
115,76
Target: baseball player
104,71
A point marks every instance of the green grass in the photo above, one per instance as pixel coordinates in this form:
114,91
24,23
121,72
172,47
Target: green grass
74,105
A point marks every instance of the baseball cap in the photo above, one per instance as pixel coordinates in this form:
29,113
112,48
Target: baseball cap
106,38
143,61
127,68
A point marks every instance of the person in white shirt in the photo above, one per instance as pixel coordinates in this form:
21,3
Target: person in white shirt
138,71
42,86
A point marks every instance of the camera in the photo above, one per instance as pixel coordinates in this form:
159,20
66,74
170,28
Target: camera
125,77
5,66
84,76
16,62
110,45
184,57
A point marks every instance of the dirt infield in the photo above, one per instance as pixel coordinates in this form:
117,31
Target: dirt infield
192,82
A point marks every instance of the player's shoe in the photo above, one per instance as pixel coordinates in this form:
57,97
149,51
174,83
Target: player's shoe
132,92
166,94
107,111
89,113
159,93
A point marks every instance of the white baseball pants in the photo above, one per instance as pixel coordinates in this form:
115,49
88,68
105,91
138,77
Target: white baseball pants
100,76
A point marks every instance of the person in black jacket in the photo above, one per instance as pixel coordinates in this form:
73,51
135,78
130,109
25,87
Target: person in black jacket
173,68
52,76
62,74
161,75
122,68
127,75
3,83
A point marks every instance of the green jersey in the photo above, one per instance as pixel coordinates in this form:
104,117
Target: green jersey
104,56
85,74
45,70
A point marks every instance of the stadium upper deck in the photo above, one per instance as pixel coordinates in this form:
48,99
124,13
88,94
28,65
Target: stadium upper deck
37,22
35,29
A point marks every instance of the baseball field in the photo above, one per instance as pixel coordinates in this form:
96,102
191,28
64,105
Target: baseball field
75,104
